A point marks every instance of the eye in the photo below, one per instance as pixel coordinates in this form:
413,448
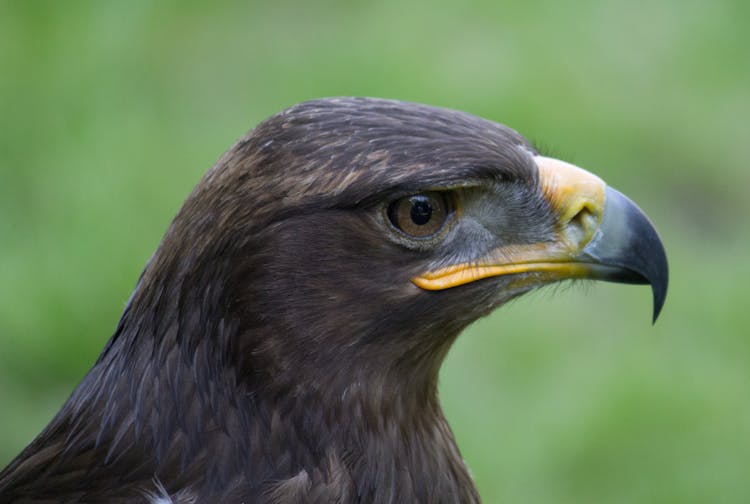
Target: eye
421,215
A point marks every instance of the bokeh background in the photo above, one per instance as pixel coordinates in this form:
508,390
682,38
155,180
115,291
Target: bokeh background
110,112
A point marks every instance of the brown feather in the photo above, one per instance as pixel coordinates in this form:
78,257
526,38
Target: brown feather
274,349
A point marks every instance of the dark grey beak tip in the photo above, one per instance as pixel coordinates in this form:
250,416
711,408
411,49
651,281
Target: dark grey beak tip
629,248
659,287
648,258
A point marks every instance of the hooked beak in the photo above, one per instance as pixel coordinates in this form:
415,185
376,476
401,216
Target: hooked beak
600,234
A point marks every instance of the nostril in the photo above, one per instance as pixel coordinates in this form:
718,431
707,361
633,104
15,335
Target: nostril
581,226
579,218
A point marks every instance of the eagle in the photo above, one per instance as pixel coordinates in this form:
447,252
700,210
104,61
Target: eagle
283,343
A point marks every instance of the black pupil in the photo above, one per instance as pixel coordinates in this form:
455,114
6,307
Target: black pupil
421,210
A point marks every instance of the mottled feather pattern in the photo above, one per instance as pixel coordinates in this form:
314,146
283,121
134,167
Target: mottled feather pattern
273,350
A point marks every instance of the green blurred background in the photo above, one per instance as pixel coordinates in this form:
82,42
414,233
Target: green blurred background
110,112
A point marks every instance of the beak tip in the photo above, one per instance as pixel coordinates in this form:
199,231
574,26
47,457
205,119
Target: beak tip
659,290
659,277
628,241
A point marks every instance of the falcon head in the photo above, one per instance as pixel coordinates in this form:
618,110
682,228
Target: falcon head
369,232
284,341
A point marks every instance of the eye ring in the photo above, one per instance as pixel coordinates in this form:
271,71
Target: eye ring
421,216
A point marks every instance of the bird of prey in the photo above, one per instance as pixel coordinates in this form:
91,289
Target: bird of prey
283,342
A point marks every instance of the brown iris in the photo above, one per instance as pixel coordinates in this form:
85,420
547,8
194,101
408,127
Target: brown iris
420,215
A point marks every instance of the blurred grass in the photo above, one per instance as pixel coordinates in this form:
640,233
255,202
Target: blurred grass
111,111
